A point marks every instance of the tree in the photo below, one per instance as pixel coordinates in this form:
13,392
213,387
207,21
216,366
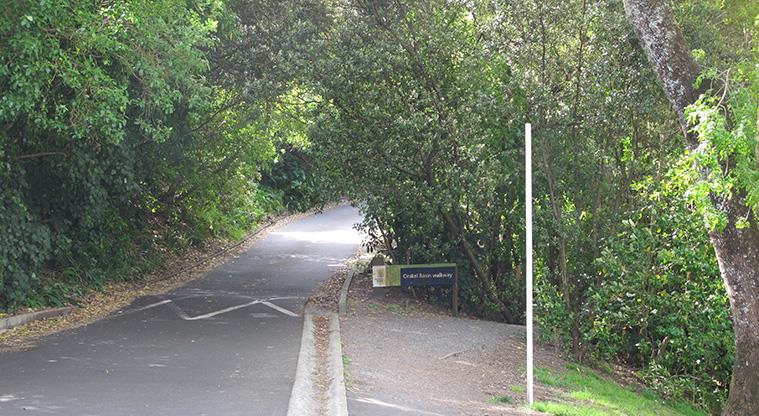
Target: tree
132,127
414,122
736,239
580,77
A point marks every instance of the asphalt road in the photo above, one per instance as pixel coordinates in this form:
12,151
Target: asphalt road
226,344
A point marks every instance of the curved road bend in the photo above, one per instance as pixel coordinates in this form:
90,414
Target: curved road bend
223,345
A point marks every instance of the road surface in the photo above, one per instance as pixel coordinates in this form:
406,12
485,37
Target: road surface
223,345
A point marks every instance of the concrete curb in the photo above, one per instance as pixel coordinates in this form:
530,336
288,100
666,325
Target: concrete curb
342,304
338,398
25,318
303,396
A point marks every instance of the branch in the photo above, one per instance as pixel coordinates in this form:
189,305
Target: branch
40,154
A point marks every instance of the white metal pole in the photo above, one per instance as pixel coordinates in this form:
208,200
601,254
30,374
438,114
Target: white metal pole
528,249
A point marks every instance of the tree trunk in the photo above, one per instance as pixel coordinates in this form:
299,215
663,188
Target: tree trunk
454,225
667,51
738,256
566,289
737,250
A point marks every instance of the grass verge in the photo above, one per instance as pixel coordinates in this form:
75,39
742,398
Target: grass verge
588,394
501,400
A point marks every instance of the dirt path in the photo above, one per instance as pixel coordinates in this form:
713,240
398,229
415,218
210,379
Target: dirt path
406,357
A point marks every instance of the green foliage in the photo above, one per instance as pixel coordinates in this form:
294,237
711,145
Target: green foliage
414,124
734,140
142,126
125,135
596,111
661,305
657,303
73,75
24,246
293,171
609,256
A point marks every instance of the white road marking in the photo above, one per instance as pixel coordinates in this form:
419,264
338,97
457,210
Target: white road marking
219,312
408,332
146,307
178,311
182,314
280,309
262,315
394,406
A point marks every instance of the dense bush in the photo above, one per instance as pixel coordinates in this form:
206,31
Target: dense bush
121,137
661,304
658,304
83,87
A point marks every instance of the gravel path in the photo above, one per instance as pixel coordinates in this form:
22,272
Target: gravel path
406,357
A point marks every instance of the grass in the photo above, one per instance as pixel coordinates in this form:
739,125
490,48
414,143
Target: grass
397,309
588,394
346,373
548,377
501,400
394,308
517,388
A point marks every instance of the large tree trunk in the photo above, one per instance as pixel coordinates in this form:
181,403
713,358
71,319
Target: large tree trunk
667,51
738,256
737,250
